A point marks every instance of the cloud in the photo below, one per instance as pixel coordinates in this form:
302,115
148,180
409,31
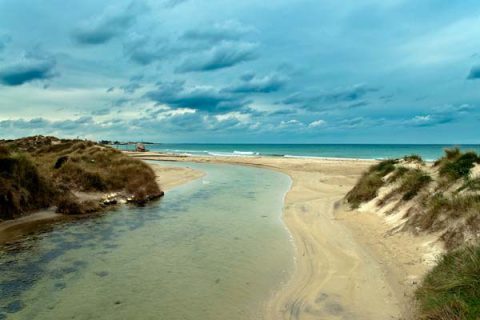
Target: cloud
101,112
254,84
113,22
228,30
48,125
173,3
474,73
143,50
317,124
225,55
348,96
27,70
209,99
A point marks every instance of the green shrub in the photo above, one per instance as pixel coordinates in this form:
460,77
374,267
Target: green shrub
451,290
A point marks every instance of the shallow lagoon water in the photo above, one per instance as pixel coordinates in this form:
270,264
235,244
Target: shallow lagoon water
215,248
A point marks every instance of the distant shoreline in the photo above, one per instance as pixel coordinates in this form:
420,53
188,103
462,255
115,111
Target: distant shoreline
428,152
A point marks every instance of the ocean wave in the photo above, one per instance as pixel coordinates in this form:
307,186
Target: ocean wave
246,153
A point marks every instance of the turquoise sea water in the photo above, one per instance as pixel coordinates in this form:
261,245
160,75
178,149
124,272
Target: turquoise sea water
214,248
361,151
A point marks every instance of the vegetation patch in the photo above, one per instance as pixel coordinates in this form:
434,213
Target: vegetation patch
367,187
455,164
414,158
452,289
38,172
413,182
22,187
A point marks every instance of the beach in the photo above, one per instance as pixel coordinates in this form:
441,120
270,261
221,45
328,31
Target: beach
347,265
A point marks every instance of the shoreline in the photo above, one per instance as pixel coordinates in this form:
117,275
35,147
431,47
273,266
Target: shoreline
11,230
344,262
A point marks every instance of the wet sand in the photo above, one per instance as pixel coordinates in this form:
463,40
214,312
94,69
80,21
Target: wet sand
348,265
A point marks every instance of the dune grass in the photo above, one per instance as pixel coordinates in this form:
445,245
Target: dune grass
414,158
371,181
455,164
451,291
413,181
22,187
39,172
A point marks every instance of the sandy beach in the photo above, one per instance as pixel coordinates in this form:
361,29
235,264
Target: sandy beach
348,264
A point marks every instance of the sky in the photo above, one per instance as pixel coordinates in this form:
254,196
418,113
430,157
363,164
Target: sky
224,71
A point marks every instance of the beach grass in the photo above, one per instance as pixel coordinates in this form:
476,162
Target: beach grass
39,172
451,290
371,181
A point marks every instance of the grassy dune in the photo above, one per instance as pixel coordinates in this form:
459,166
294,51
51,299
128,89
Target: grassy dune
442,198
39,172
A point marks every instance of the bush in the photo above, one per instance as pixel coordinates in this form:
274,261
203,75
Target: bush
451,290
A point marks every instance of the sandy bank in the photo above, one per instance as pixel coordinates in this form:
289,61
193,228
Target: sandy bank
348,266
167,178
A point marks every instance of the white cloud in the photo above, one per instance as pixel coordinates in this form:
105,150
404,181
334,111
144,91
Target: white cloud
317,123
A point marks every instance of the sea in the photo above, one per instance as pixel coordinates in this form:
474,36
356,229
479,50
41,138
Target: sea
428,152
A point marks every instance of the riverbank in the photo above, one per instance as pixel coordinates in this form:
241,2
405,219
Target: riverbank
347,265
166,177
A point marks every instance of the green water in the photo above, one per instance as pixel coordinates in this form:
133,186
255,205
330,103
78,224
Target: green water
215,248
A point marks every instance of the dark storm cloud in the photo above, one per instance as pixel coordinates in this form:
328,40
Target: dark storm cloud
144,50
229,30
320,101
255,84
110,24
26,71
225,55
176,95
